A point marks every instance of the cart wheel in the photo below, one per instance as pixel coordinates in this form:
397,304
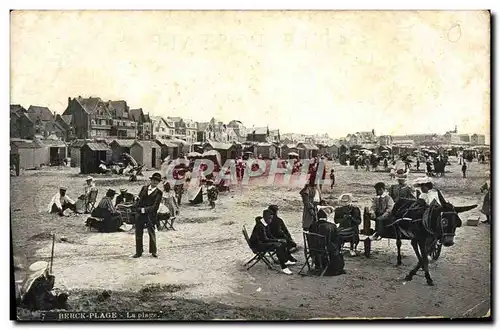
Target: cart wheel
368,247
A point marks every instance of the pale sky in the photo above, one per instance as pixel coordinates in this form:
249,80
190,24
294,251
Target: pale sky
302,72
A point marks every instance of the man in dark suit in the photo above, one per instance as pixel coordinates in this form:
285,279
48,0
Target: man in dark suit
147,207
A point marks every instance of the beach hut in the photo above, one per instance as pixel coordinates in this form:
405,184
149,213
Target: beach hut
74,152
267,150
226,150
31,154
147,153
56,149
120,146
91,155
168,149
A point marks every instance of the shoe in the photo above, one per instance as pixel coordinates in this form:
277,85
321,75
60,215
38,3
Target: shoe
292,259
136,255
286,271
352,253
154,255
290,263
486,221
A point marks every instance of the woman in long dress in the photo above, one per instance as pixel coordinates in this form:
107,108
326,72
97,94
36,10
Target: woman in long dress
311,198
170,200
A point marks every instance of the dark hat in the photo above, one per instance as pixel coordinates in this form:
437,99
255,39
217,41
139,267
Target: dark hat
63,188
111,192
379,185
156,176
273,207
267,211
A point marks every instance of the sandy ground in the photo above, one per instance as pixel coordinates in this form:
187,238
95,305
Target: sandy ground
199,272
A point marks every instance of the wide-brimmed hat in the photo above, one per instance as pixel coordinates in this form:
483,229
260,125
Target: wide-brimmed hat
421,181
123,189
89,178
327,209
401,174
345,199
156,176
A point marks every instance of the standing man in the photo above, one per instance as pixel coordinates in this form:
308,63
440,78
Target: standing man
464,170
147,207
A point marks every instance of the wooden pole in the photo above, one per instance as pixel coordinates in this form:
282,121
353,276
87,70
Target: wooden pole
52,253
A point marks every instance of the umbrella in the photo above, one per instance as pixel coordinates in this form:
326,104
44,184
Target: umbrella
293,154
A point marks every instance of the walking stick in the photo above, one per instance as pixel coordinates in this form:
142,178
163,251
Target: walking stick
52,253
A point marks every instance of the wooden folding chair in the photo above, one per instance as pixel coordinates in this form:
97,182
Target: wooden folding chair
90,205
318,249
258,256
165,221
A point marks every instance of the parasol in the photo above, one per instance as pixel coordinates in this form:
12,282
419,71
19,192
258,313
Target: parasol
293,154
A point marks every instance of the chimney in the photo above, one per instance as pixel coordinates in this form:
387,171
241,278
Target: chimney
69,100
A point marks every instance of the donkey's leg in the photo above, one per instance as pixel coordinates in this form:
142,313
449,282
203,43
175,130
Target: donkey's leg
425,261
398,245
412,273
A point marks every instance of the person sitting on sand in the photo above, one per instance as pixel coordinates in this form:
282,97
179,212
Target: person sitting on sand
106,211
278,228
125,198
261,240
60,202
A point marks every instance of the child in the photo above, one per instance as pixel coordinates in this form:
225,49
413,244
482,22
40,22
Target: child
212,193
464,170
332,178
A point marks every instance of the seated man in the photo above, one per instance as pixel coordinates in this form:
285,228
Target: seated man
261,240
380,210
349,218
402,189
278,228
334,243
106,211
125,197
61,202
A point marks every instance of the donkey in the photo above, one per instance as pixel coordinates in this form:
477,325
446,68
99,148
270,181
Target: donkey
423,226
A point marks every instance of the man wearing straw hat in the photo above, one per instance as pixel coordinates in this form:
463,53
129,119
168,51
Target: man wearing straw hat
147,207
402,189
349,218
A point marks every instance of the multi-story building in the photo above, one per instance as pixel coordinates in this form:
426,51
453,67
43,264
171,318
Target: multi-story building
90,117
123,125
239,129
161,129
144,124
478,139
190,131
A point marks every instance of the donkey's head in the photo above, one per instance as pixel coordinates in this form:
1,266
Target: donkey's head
450,220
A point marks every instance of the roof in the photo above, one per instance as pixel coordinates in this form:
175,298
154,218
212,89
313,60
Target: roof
219,145
264,144
25,144
67,119
119,107
166,143
78,143
148,144
17,108
43,113
308,146
369,146
202,126
403,142
290,146
174,119
53,143
127,143
146,117
135,114
88,104
97,146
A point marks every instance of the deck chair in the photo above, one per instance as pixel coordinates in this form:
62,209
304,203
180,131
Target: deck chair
90,205
258,256
315,246
165,221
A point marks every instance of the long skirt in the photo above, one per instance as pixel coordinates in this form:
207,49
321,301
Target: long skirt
486,205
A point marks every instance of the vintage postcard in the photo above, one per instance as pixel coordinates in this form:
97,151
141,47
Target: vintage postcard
250,165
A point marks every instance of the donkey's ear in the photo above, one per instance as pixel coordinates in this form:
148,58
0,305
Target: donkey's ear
460,209
441,198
